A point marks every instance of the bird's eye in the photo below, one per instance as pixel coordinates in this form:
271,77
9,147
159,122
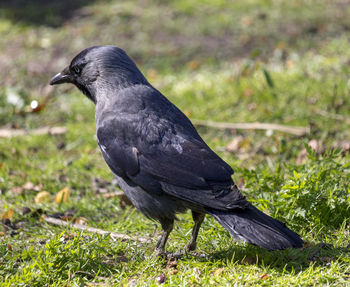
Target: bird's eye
76,69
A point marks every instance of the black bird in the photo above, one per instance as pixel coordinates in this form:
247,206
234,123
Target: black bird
158,158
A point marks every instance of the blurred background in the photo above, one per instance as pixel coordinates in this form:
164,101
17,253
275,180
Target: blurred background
265,61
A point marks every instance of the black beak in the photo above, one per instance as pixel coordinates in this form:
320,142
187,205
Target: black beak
63,77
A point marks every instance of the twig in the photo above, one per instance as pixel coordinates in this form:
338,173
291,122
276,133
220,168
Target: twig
113,235
299,131
333,116
113,194
9,133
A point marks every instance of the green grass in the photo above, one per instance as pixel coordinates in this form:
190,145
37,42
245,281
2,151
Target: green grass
239,61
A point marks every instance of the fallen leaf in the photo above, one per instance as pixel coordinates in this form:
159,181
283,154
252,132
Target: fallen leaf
2,233
233,146
238,143
81,220
17,190
7,214
27,186
172,263
62,195
193,65
218,272
42,196
9,247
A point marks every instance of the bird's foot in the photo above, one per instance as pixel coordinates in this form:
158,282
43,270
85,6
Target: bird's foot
159,252
191,246
174,255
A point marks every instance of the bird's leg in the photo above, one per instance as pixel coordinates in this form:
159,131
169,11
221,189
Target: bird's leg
167,228
198,219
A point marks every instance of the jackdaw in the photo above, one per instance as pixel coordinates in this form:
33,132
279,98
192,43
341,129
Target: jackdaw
157,156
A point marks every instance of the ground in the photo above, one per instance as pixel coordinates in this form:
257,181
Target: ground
283,62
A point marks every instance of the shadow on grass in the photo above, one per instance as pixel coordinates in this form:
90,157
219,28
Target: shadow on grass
285,260
40,12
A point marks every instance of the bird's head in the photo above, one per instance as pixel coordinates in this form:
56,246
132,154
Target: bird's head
98,69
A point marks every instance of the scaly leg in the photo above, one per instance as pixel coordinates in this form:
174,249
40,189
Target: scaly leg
167,228
198,219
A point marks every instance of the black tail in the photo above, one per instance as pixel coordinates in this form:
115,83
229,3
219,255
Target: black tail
255,227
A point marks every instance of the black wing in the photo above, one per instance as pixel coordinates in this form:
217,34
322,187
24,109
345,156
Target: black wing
164,153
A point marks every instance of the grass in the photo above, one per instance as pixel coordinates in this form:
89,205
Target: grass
240,61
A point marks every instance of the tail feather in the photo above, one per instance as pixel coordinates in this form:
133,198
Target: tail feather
255,227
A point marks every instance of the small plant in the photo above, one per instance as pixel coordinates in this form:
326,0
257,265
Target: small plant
314,194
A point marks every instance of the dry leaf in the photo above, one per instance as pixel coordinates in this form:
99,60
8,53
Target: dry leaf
62,195
42,196
193,65
172,263
17,190
27,186
7,214
9,247
2,233
218,272
233,146
30,186
238,143
81,220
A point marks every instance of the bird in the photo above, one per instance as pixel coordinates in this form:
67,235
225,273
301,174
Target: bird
159,159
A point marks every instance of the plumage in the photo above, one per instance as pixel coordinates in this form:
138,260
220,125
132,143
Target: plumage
157,156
